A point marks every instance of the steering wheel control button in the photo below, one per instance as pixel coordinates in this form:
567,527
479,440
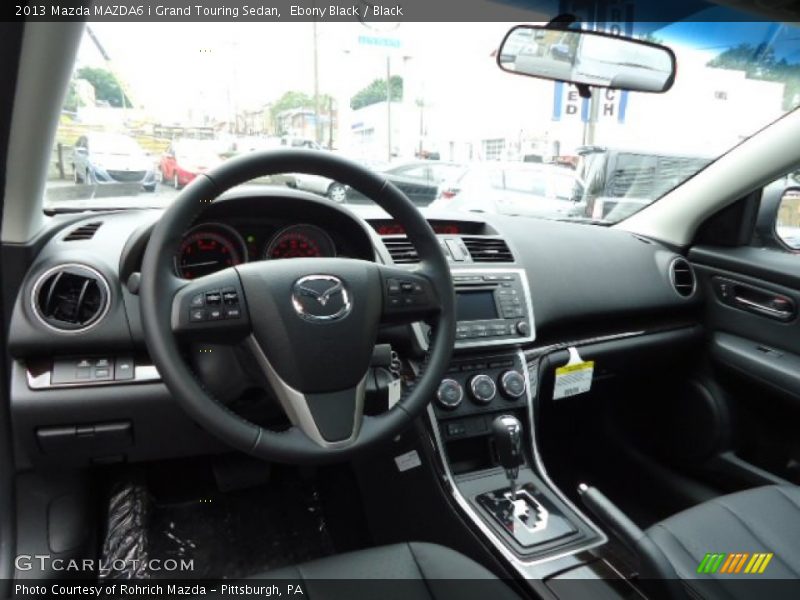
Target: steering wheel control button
512,384
229,296
197,315
482,388
215,314
197,301
450,394
213,297
233,312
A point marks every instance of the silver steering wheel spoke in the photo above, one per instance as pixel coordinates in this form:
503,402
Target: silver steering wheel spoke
329,419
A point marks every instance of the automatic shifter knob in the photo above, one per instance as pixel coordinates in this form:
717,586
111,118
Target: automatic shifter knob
507,432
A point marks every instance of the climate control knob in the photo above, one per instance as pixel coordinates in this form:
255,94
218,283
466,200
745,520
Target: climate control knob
450,394
482,389
512,384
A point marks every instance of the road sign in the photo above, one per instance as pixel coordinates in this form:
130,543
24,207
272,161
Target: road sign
380,42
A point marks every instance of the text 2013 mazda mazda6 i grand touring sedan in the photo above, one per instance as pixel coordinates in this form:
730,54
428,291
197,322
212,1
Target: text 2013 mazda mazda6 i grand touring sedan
583,381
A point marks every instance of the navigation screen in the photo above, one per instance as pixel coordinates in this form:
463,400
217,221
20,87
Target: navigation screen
475,306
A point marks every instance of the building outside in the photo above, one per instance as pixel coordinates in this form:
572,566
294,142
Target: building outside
487,114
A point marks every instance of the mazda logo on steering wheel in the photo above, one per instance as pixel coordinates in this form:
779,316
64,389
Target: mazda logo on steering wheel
321,298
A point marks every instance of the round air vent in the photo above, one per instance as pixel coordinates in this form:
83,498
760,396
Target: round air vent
70,298
682,277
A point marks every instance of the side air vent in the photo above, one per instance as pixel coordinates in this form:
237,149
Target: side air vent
492,250
681,275
70,298
84,232
401,250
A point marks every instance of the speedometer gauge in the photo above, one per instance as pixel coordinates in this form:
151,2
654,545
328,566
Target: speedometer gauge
300,241
209,248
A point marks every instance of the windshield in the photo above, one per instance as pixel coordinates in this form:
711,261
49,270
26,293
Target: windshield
434,112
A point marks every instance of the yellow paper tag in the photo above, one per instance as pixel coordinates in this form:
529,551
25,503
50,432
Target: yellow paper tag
573,378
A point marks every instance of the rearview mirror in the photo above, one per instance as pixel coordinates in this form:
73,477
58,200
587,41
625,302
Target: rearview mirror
588,58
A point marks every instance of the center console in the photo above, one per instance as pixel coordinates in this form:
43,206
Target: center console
483,427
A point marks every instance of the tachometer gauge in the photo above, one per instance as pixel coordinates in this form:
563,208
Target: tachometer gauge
209,248
300,241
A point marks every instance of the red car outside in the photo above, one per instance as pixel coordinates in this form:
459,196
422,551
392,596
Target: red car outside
182,162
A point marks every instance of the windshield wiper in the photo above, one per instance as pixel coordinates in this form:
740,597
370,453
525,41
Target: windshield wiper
53,210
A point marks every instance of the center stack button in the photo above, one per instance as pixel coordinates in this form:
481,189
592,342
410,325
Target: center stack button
449,394
482,389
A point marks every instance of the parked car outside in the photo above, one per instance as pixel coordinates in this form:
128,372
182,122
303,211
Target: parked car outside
619,182
104,158
321,185
184,160
518,188
420,180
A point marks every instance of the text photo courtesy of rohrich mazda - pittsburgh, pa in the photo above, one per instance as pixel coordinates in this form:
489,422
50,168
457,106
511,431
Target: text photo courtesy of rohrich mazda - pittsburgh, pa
420,300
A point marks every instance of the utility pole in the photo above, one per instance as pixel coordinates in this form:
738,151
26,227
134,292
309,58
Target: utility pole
330,122
589,126
316,84
389,107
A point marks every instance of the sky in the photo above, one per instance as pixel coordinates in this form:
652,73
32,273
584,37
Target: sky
226,67
179,64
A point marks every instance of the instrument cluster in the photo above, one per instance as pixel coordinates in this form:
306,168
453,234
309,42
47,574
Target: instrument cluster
213,246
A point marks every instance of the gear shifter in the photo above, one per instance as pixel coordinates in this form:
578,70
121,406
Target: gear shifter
507,432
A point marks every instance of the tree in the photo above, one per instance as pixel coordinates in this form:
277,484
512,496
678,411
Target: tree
106,86
294,99
71,102
759,62
376,92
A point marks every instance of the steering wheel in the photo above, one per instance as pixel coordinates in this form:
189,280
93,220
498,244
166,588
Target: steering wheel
309,324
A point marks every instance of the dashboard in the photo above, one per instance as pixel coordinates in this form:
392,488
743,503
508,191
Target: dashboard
578,280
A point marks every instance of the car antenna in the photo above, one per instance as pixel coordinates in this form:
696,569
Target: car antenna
564,21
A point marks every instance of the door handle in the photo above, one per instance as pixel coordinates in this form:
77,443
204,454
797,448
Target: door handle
764,309
760,301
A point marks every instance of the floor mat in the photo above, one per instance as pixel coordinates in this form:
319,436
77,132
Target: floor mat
236,534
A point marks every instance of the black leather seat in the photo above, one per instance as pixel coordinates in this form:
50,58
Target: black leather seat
761,520
410,571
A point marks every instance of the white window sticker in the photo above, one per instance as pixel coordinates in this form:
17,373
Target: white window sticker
407,461
573,378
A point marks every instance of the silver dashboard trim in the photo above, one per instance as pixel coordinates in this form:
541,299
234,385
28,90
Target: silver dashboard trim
141,374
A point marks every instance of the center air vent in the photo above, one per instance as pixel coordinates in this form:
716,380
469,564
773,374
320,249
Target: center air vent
401,250
84,232
70,297
494,250
681,275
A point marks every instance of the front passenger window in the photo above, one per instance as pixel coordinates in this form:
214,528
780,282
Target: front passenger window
787,225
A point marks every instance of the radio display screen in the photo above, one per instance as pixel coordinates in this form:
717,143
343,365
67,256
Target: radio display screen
475,305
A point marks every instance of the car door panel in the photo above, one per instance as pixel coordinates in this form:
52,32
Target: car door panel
726,315
771,367
752,295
